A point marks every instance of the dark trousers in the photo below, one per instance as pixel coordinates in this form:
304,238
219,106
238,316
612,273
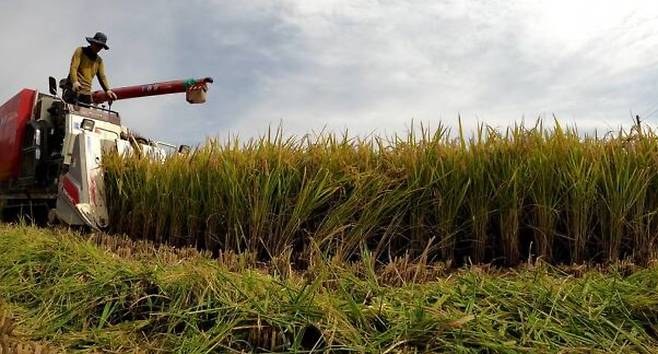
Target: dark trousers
71,97
84,99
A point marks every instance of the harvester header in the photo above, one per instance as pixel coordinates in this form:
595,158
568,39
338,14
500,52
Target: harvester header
195,90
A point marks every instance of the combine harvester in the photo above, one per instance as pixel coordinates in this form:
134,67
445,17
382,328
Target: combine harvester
51,151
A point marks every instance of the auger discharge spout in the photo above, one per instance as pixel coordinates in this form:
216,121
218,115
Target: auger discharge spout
195,90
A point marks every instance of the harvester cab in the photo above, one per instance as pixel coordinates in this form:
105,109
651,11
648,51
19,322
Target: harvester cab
51,151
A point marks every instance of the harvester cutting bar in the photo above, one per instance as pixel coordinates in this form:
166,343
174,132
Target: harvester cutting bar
158,88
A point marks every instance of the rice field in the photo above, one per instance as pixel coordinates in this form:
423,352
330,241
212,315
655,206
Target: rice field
490,196
62,292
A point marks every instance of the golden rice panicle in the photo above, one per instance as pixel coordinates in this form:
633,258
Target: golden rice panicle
505,196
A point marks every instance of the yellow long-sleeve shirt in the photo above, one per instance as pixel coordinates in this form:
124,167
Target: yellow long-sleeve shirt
86,64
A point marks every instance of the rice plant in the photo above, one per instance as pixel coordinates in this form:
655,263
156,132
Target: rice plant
491,195
69,293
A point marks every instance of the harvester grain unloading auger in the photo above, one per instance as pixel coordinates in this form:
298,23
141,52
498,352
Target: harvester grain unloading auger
195,90
52,150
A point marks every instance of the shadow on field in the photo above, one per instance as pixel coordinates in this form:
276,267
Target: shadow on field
36,214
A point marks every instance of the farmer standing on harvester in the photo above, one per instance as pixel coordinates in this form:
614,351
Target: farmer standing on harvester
85,65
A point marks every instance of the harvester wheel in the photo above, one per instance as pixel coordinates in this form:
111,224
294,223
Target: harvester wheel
52,217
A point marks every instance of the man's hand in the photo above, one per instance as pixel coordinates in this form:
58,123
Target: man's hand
111,95
76,86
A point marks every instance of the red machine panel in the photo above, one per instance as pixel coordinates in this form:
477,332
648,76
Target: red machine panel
14,115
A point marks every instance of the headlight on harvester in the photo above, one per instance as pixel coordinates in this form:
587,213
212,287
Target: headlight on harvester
87,124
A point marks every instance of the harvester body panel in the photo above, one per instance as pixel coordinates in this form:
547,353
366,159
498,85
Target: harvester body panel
81,197
106,130
14,115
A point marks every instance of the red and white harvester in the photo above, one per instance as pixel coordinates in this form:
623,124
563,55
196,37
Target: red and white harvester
51,151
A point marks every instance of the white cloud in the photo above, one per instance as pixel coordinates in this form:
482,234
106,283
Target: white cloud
362,65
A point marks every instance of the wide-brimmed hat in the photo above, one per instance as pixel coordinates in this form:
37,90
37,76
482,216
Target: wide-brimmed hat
99,38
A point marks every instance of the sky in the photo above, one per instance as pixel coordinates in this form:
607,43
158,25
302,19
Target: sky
368,67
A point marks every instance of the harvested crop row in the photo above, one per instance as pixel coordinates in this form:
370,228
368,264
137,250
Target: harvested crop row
490,197
67,291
